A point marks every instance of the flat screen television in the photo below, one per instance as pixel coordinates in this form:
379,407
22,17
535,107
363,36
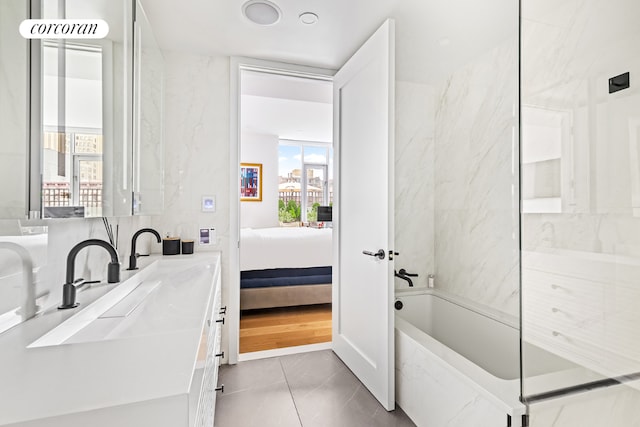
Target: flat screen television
324,214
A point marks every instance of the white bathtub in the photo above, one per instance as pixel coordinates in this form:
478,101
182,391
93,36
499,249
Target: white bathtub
457,364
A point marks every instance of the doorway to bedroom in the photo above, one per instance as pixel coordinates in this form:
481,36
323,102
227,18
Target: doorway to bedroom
286,198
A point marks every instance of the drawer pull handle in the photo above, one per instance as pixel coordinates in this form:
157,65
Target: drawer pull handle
209,322
560,335
223,310
220,321
220,354
558,287
220,389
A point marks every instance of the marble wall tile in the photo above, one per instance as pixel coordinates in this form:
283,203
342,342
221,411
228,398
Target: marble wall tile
476,181
150,144
414,180
196,115
616,406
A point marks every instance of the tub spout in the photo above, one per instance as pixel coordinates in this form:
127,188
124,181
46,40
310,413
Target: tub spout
405,276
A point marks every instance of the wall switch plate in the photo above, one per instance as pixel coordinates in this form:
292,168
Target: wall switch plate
207,236
619,82
208,203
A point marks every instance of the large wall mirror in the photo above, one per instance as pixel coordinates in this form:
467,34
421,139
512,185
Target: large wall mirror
13,111
148,143
81,105
80,120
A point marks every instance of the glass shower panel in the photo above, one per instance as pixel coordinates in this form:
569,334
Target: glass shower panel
580,181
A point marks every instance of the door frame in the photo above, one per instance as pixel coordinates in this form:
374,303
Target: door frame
237,65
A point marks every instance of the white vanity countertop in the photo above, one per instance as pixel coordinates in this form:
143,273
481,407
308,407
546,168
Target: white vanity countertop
153,357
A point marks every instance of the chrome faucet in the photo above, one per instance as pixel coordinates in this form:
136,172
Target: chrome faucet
28,285
69,288
134,256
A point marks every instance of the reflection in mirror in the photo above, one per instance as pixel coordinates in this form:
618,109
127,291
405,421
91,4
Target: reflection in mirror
23,260
547,172
148,120
85,92
13,111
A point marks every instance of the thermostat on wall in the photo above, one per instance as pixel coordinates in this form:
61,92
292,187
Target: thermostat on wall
207,236
208,203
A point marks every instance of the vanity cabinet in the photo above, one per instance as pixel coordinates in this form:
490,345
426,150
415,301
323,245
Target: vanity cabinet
202,402
141,353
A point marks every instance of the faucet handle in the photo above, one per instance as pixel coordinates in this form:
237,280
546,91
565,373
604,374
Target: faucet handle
404,273
113,272
68,297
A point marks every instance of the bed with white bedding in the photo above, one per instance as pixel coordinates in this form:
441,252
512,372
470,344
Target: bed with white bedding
285,266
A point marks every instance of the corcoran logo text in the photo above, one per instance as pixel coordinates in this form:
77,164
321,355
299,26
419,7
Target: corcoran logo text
64,29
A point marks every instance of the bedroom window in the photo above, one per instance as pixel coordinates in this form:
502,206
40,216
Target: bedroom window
305,180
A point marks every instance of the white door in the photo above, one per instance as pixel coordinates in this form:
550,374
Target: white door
363,290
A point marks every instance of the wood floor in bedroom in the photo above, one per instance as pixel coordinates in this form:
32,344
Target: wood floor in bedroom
273,328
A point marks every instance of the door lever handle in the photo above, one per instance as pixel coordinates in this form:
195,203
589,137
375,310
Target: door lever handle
380,254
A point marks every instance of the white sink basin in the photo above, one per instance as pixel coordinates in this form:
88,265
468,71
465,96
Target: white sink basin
104,317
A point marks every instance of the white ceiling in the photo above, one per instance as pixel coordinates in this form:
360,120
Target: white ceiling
433,37
288,107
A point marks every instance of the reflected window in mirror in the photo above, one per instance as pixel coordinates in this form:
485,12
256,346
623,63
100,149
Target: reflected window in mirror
547,161
82,104
72,115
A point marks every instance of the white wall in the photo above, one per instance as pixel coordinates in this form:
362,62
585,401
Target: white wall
414,181
476,181
197,153
259,148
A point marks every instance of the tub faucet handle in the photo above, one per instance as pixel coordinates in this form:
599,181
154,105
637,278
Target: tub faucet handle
403,277
404,273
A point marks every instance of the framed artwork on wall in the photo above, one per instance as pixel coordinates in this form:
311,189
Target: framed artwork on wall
251,182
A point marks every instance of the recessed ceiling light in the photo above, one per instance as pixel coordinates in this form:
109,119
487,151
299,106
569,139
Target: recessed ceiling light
308,18
261,12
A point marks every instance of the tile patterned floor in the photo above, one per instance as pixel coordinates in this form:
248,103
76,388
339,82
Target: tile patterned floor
302,390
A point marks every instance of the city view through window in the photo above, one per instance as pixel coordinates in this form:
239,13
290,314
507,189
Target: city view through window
305,181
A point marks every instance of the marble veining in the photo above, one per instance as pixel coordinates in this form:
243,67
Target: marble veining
414,180
476,246
431,394
196,135
617,406
150,147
